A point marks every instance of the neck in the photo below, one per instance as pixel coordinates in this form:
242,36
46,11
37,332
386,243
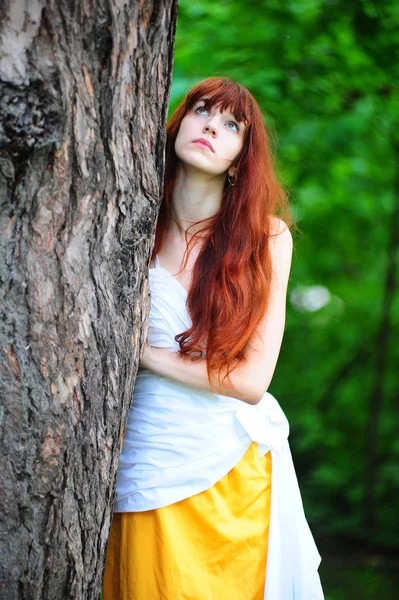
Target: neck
196,196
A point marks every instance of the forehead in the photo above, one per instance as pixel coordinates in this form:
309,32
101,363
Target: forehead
208,103
223,104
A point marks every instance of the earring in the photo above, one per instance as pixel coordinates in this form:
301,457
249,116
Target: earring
231,179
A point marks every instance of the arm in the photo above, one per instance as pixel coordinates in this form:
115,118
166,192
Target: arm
249,380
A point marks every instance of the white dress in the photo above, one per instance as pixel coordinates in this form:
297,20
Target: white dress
180,440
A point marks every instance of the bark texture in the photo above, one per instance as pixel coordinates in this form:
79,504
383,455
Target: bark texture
84,88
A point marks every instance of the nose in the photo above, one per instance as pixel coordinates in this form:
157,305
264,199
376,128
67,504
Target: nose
211,126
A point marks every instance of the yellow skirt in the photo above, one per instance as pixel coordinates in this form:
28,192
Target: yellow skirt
211,546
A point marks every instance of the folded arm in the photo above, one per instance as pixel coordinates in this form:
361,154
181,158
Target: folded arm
251,378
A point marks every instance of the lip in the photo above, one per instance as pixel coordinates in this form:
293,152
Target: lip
203,142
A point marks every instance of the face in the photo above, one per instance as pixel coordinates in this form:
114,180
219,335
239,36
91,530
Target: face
209,140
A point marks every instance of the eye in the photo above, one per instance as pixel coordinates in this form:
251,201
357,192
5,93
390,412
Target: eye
201,110
233,126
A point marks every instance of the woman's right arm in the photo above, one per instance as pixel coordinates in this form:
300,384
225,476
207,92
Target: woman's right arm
251,378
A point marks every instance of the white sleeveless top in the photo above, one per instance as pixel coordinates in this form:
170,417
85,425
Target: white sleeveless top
180,440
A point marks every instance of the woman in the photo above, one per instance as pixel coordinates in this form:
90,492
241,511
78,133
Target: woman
208,505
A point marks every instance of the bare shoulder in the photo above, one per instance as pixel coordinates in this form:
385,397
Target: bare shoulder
281,246
281,236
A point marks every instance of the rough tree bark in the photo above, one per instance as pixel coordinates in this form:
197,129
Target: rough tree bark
84,88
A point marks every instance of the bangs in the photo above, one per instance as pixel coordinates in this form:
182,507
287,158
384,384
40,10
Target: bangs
229,95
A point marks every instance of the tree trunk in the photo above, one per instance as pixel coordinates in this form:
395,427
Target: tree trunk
84,89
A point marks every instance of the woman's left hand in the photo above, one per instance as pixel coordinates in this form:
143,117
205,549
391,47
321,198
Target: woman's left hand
145,362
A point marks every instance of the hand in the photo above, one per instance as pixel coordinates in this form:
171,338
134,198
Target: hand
145,362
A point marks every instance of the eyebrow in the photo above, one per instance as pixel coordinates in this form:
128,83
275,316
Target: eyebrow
208,100
241,123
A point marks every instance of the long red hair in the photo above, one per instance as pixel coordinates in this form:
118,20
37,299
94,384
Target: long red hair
231,276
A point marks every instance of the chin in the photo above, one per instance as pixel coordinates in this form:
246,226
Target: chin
198,163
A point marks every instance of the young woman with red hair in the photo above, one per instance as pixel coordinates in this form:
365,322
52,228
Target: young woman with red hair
208,505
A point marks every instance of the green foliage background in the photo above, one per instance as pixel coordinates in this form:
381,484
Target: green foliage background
325,73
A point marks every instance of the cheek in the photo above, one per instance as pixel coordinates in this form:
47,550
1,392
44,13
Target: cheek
180,137
235,149
180,141
183,133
